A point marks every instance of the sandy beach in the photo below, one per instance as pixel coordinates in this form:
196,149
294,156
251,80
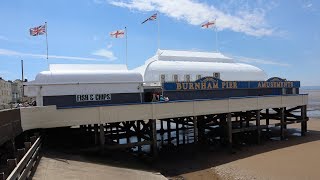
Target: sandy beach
294,158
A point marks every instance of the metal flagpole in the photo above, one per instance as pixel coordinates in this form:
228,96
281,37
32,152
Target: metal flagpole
158,19
217,49
47,41
126,47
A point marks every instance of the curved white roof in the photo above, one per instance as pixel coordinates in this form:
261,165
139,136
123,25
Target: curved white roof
170,62
81,74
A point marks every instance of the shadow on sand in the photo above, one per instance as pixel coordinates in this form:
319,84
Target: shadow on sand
175,160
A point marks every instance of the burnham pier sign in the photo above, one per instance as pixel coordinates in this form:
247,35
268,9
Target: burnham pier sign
210,83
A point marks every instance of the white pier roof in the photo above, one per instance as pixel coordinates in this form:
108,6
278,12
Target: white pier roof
181,63
86,73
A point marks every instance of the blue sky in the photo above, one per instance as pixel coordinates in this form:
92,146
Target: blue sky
281,37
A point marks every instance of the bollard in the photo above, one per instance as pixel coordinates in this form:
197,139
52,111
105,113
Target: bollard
11,163
27,145
20,153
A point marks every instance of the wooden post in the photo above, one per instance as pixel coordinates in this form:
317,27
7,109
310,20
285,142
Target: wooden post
169,130
20,153
267,119
138,134
96,134
154,137
258,125
2,176
102,138
304,120
27,145
229,123
161,127
195,129
11,163
177,131
282,123
247,119
117,129
285,118
33,139
183,131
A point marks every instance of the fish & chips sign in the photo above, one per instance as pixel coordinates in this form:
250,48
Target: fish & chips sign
93,97
210,83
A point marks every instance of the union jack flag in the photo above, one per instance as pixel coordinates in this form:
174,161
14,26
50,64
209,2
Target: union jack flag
151,18
40,30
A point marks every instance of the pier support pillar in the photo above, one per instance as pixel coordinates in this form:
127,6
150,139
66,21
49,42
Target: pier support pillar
96,134
139,134
154,137
304,120
177,131
169,131
282,125
258,126
267,119
229,123
195,129
102,137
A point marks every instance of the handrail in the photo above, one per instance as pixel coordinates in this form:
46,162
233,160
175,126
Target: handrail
21,171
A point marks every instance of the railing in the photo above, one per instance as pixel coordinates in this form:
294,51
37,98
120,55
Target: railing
26,160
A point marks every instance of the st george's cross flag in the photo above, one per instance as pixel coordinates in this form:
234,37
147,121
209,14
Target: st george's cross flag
208,24
40,30
117,34
151,18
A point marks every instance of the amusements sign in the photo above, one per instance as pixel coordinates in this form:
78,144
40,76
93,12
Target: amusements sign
93,97
210,83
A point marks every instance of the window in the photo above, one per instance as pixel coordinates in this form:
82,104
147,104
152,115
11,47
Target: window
216,75
162,78
175,78
198,76
187,77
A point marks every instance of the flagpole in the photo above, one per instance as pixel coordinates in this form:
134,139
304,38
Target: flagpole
126,47
46,24
158,19
217,49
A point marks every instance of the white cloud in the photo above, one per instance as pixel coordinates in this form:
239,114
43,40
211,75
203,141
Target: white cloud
250,21
105,53
8,52
258,61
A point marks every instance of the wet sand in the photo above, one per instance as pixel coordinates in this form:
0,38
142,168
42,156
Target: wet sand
294,158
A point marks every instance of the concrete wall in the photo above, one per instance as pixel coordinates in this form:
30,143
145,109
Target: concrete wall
49,116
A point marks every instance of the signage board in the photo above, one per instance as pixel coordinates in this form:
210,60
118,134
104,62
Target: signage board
93,97
210,83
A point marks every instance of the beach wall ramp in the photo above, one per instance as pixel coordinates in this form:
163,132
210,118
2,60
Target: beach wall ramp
50,116
10,124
